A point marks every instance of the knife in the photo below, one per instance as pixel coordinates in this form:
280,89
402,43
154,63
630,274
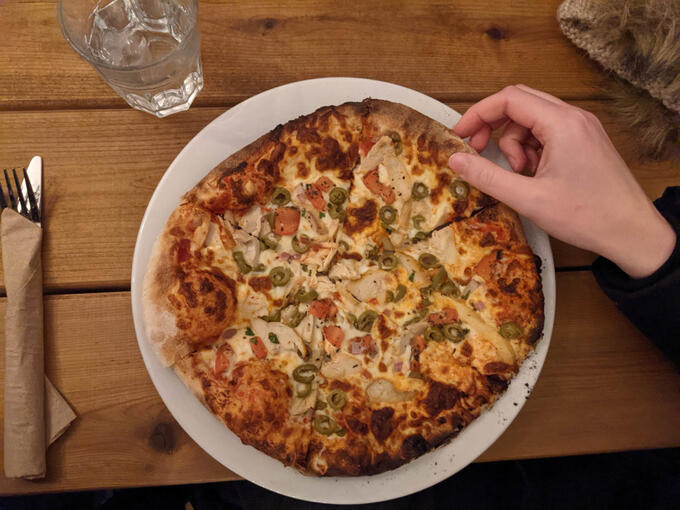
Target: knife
33,181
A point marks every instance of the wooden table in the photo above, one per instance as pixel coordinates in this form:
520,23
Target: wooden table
604,386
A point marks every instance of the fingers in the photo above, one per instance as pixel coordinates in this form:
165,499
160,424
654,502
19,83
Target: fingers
533,158
535,113
508,187
541,94
479,140
511,143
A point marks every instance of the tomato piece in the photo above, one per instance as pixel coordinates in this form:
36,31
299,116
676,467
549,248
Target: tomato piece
258,347
323,309
286,221
446,316
324,184
365,146
484,266
334,335
315,196
223,359
372,182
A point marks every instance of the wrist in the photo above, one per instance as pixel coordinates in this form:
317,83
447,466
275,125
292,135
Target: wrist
645,249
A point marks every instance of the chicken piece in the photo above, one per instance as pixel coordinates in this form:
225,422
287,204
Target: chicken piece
251,221
383,390
371,286
286,336
341,365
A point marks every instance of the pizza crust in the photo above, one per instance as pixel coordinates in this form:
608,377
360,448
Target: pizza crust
161,329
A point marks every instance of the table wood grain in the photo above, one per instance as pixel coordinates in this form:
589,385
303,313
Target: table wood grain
101,167
450,50
604,387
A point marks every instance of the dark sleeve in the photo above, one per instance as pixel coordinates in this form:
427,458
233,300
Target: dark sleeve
652,303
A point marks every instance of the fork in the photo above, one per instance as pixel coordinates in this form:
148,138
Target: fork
21,207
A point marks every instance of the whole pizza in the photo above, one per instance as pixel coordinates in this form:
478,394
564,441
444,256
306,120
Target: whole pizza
338,297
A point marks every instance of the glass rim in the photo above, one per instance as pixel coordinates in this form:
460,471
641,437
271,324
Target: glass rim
95,62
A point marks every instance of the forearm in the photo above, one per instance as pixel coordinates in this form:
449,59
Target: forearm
651,303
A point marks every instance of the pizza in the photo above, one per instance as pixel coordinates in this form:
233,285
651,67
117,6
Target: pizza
338,297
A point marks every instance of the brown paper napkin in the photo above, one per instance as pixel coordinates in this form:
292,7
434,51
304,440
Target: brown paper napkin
35,413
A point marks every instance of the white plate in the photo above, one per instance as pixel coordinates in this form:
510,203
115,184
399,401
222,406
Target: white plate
223,136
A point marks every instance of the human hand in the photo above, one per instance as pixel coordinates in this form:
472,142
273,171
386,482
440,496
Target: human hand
582,192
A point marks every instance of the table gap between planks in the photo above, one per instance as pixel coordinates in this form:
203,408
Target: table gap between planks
604,386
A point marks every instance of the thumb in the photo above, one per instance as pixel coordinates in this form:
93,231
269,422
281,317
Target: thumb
508,187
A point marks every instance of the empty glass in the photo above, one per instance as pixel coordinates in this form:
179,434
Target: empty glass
148,51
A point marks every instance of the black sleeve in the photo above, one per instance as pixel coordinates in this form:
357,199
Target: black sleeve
652,303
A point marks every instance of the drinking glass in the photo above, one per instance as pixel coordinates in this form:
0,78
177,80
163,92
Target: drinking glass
148,51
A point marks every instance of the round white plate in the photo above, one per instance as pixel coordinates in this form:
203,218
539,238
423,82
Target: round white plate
223,136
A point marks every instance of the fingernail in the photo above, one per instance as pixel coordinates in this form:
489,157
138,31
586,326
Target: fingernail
458,161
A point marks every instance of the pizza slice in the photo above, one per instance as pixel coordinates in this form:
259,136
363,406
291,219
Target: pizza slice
248,380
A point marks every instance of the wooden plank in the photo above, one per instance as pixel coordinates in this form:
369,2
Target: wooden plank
451,50
604,387
101,168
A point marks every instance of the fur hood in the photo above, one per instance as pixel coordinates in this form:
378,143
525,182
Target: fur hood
639,41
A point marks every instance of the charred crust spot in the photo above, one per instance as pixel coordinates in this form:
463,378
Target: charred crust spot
496,383
421,143
356,425
535,332
383,329
443,180
188,293
174,301
457,421
333,157
460,206
486,201
487,240
414,446
265,166
433,148
183,250
337,384
358,218
245,200
508,288
496,367
307,134
538,262
440,397
221,305
206,286
302,170
231,171
381,423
